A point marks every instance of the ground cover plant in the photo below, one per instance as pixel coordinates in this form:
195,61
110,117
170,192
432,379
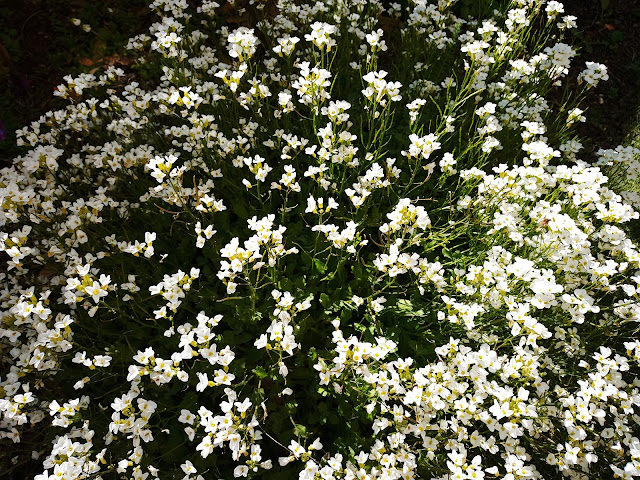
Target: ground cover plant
307,246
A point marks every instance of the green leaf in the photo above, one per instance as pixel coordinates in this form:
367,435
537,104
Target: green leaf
346,315
321,267
240,209
301,431
405,307
260,372
325,300
313,354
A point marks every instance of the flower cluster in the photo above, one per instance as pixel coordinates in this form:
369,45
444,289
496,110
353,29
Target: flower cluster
320,35
593,74
242,43
378,90
255,263
265,242
311,85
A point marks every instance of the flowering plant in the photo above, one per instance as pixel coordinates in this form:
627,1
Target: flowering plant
299,250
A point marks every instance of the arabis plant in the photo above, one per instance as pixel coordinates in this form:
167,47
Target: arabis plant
319,247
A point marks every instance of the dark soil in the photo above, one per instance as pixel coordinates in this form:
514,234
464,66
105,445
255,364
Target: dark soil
39,46
610,36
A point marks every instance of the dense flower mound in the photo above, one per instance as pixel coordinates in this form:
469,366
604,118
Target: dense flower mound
334,241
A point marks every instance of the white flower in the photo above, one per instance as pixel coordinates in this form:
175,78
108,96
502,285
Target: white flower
374,39
379,90
188,467
286,45
242,43
422,147
554,8
321,35
593,74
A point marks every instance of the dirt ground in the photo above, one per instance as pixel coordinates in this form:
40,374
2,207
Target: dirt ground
611,37
39,45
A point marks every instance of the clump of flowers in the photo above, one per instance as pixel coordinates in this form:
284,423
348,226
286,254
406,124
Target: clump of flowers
593,74
311,85
242,43
253,261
